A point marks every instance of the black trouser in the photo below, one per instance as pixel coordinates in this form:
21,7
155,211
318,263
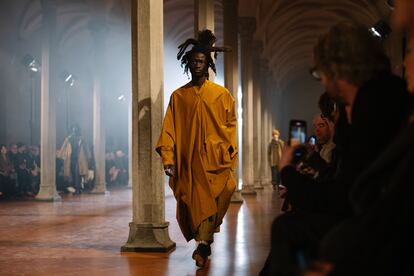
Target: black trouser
76,179
275,175
295,237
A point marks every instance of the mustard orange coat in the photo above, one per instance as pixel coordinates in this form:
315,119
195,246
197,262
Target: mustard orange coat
199,137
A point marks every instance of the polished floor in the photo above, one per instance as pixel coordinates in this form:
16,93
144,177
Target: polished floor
82,235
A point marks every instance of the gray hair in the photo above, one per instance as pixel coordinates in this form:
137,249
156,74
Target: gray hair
349,51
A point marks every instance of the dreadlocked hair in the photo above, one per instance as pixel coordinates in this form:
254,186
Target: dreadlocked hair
203,44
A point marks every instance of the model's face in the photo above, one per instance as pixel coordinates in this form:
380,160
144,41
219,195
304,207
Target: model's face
198,65
409,63
13,149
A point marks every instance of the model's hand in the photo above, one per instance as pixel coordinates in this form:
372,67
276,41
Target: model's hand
169,170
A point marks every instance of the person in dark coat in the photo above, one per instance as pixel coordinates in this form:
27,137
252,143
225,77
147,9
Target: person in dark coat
379,239
355,72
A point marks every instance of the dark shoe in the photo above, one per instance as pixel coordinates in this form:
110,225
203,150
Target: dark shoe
200,255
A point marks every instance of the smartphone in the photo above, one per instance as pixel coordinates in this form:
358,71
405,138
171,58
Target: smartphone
297,132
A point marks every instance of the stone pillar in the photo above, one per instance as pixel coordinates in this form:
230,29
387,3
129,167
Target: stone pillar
257,120
204,19
265,136
129,142
98,138
231,67
270,115
98,31
247,26
148,229
47,190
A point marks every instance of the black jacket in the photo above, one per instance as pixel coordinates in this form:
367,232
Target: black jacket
377,116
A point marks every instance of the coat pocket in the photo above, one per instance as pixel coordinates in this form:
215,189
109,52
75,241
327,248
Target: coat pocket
217,154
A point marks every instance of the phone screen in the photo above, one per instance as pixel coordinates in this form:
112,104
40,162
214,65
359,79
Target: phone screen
297,132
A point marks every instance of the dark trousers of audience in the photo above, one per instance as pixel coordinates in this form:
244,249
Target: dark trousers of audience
295,241
6,185
24,181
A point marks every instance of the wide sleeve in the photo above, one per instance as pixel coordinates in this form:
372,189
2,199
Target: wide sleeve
166,142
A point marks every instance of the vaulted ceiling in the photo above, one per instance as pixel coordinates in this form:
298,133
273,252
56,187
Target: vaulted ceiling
288,30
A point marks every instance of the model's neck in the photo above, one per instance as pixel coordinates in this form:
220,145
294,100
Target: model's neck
198,81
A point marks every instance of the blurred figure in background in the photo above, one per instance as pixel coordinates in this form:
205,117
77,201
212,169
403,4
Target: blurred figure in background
274,154
75,160
7,177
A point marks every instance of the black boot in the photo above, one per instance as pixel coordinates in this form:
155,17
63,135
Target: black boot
200,255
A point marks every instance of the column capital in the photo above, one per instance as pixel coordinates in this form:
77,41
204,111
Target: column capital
247,27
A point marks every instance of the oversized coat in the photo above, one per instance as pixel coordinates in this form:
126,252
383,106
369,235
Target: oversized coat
65,153
199,137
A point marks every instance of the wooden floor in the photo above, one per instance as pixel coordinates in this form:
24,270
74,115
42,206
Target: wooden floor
82,235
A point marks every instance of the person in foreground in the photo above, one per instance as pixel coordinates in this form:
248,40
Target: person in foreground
198,146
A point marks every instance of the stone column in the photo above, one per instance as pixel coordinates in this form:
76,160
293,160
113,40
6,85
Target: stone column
204,19
47,190
98,31
270,115
231,67
247,26
257,120
148,229
98,138
129,142
265,136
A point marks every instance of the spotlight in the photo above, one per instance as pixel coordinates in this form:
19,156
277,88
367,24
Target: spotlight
30,63
381,29
121,98
68,78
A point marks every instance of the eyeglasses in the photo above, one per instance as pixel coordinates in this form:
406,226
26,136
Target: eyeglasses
315,73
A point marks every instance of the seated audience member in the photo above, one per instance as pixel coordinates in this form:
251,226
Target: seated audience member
6,173
12,154
324,131
23,171
34,167
378,240
356,73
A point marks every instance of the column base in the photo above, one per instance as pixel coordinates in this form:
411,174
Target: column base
258,185
46,196
99,191
148,237
248,190
266,181
236,197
